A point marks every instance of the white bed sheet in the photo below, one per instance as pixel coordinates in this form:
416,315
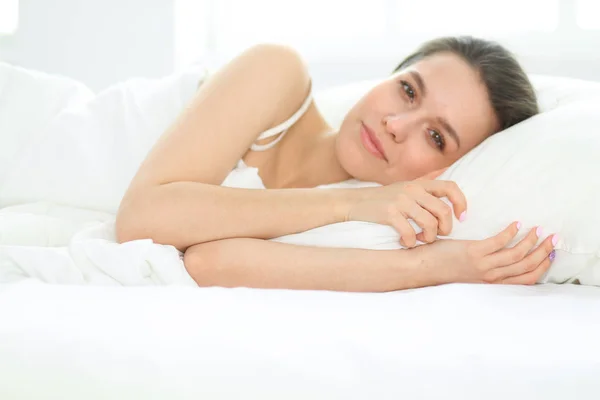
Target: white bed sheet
448,342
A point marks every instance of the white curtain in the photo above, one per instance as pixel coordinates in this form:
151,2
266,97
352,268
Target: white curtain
348,40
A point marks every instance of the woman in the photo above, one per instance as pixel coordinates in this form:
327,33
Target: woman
441,102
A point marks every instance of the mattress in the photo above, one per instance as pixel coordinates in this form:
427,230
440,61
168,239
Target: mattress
455,341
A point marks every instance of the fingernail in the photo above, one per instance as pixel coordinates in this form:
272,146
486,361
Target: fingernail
463,216
554,240
539,231
552,255
519,225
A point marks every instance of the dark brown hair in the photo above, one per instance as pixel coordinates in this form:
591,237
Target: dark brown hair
510,92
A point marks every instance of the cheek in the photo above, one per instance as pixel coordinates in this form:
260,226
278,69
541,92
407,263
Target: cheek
353,160
414,161
348,154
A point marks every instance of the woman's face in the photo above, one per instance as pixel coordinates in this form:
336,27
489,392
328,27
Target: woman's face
419,120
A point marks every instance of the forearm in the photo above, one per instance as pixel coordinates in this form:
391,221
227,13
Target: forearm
265,264
186,213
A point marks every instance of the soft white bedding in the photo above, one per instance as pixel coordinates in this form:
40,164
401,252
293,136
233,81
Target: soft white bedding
464,342
66,245
172,340
83,158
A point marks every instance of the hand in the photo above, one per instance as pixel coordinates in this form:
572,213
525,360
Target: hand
489,260
418,200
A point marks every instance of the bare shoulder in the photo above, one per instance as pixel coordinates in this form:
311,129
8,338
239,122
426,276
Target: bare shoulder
258,89
290,66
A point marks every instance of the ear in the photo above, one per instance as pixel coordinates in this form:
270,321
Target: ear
432,175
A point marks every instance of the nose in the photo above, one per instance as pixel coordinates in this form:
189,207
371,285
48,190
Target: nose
398,126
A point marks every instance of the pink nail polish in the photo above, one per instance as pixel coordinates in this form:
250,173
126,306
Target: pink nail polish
463,216
554,240
539,231
519,225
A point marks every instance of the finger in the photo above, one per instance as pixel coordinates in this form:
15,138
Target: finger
439,209
432,175
532,277
406,231
450,190
427,222
508,256
530,262
421,237
499,241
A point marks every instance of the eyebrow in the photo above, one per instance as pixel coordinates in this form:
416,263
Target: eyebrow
444,122
450,130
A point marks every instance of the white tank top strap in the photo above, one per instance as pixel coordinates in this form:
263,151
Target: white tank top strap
282,128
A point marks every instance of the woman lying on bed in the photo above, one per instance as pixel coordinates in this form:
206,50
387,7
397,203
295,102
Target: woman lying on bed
440,103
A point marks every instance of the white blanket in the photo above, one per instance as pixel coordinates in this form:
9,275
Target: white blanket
57,244
64,245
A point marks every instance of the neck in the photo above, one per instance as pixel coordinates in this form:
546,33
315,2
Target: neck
310,162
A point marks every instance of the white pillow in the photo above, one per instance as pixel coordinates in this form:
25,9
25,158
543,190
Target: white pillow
29,100
45,224
88,153
544,171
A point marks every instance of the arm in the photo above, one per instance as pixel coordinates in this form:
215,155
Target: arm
186,213
175,199
265,264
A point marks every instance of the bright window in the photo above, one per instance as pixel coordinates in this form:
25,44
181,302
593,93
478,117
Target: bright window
588,14
297,22
9,16
328,29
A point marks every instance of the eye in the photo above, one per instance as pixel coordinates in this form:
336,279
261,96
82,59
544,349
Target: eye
408,90
438,139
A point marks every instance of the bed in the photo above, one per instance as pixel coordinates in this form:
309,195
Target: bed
451,342
84,317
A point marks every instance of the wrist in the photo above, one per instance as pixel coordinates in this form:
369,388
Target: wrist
405,269
425,272
345,201
432,273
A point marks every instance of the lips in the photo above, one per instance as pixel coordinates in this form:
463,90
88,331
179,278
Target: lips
371,142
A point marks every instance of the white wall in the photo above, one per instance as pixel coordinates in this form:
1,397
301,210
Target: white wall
103,41
572,54
97,42
348,40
